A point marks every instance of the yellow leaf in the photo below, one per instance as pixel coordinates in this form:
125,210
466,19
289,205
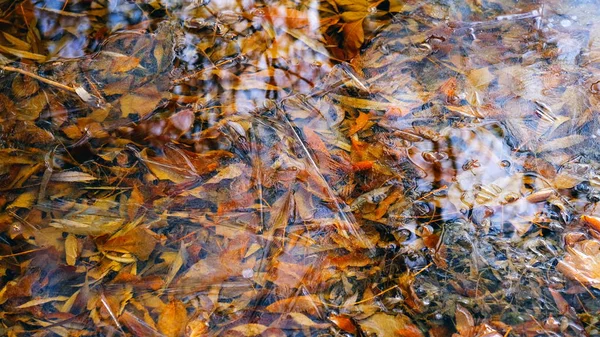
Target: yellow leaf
383,325
310,304
173,319
229,172
359,124
23,54
480,78
24,200
19,44
40,301
250,329
71,249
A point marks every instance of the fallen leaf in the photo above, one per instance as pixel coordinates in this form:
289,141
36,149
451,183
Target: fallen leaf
173,319
71,176
229,172
309,304
359,124
141,101
71,249
561,143
137,241
480,78
354,36
582,263
384,325
41,301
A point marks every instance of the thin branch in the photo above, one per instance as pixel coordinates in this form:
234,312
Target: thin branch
39,78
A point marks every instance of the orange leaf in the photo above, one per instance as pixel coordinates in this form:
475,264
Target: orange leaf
309,304
582,263
349,260
173,319
360,123
383,206
137,241
354,36
124,64
591,221
409,331
344,323
362,165
287,17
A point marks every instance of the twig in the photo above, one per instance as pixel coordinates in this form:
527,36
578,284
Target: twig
376,295
39,78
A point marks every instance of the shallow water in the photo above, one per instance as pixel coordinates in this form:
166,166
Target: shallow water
333,168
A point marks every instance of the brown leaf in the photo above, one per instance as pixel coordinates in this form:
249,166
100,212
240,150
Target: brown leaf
229,172
480,78
33,107
464,320
166,169
582,263
137,326
218,268
72,176
561,143
142,101
24,86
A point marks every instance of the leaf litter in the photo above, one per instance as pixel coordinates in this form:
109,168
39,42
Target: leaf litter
332,168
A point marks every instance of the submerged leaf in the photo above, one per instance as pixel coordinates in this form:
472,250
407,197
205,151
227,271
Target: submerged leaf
173,319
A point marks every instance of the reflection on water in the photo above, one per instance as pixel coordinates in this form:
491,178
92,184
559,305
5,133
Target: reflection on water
326,168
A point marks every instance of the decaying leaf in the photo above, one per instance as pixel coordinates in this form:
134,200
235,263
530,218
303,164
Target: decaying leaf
236,168
582,263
